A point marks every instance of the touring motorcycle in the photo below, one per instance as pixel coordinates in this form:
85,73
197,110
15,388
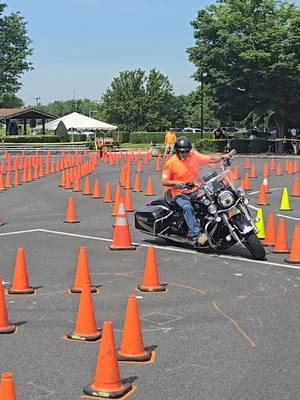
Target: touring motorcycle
220,208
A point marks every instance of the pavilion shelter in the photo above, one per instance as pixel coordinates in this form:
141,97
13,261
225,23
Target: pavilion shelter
25,115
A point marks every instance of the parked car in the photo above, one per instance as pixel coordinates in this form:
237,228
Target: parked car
193,130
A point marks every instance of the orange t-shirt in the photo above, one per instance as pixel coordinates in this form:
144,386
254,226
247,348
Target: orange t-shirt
184,170
170,138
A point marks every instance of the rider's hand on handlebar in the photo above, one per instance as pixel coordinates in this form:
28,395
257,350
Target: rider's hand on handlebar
190,185
180,186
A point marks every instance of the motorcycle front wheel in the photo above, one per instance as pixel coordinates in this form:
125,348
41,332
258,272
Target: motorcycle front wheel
254,245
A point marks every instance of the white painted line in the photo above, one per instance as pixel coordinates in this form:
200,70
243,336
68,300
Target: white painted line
269,189
178,250
254,208
290,266
288,217
18,232
75,235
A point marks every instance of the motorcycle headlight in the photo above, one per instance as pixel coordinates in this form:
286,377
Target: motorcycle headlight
212,209
226,199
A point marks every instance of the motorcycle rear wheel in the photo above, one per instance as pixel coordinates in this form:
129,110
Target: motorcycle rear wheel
254,245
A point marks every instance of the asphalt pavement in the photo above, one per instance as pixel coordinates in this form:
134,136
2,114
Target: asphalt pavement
226,329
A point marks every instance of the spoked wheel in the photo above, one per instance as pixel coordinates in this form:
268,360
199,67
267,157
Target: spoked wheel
254,245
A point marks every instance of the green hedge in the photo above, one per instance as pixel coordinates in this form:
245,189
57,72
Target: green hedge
242,146
121,136
159,137
31,139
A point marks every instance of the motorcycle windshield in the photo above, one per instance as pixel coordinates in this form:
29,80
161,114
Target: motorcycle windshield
216,180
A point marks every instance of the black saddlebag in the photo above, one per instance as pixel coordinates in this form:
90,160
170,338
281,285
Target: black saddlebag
146,216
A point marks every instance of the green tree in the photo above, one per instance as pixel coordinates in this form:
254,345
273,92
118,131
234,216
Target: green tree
135,101
10,100
247,53
159,96
14,51
123,104
193,109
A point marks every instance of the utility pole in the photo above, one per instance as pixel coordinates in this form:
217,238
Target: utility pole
202,105
37,101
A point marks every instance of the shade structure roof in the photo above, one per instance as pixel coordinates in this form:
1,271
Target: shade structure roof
24,113
79,121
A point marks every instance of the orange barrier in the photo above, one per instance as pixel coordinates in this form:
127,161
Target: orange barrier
7,387
71,213
86,327
121,237
151,278
20,283
281,245
5,325
107,381
132,344
294,257
82,272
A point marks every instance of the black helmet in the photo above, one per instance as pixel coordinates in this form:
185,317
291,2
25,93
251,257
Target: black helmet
183,145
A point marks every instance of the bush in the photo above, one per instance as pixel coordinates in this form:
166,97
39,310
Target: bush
62,132
242,146
31,139
212,145
121,136
159,137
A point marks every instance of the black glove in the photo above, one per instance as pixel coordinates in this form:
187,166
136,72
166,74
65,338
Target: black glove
180,186
190,185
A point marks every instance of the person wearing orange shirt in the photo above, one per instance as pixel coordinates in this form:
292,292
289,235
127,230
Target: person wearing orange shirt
181,169
170,140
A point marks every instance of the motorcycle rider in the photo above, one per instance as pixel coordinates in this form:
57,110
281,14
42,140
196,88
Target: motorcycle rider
183,169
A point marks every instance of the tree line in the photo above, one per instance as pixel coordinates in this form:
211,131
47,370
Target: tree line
247,59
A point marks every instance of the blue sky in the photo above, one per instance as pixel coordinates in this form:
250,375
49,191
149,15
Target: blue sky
81,45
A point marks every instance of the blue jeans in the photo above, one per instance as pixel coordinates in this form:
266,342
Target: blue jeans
184,201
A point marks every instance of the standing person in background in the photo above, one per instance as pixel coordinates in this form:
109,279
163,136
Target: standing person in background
170,140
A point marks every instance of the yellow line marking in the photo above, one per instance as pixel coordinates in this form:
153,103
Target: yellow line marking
236,325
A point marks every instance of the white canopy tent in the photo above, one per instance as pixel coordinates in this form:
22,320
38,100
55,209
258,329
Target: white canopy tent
79,122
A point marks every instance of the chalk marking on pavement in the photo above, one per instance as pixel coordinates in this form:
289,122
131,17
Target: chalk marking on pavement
235,324
18,232
174,249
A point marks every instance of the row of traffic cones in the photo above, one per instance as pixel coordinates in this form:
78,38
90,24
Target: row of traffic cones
278,239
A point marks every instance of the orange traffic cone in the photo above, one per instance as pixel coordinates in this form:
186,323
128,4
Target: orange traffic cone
128,201
86,328
272,165
16,178
121,237
132,345
76,185
71,213
7,387
62,179
296,188
253,171
107,194
137,184
68,184
20,283
82,272
295,167
266,170
149,191
2,188
278,169
107,382
247,182
139,168
294,257
270,239
262,198
281,245
5,326
87,187
151,278
117,200
7,183
97,190
266,185
247,164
